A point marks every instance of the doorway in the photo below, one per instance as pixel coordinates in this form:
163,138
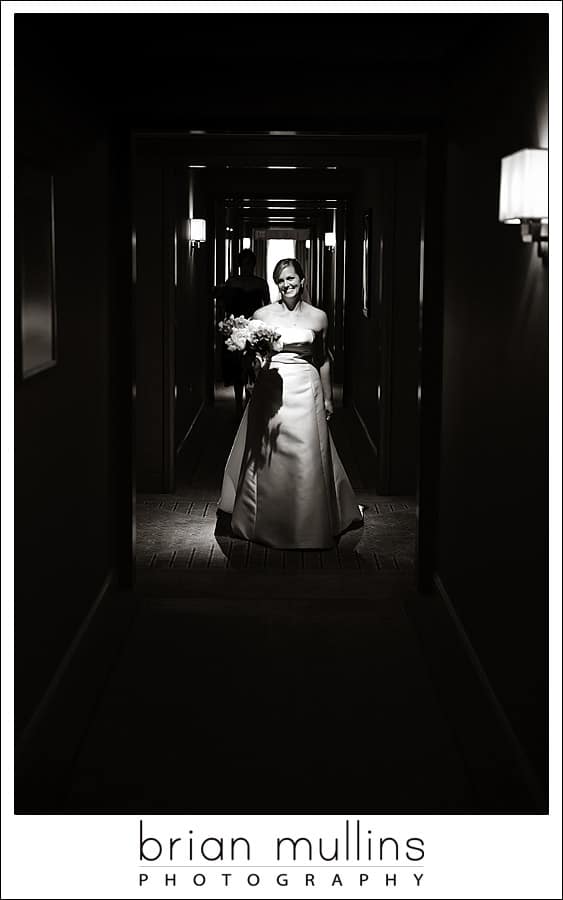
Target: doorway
277,248
374,427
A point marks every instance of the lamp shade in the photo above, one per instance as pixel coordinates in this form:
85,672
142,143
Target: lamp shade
523,186
197,229
330,239
246,243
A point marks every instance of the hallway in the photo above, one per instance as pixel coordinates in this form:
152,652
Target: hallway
267,704
231,678
294,684
177,531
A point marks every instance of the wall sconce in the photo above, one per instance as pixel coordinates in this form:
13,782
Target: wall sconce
246,243
307,244
196,233
330,239
524,196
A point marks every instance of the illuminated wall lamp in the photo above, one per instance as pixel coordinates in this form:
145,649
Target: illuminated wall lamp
524,196
246,243
196,233
307,244
330,239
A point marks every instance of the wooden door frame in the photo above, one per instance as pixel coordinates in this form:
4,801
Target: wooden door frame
223,148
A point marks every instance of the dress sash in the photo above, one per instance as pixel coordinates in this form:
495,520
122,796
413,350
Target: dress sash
297,352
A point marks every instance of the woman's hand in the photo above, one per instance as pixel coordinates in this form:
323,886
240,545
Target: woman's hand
262,361
324,369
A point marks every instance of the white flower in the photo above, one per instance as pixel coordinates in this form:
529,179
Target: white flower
253,334
237,340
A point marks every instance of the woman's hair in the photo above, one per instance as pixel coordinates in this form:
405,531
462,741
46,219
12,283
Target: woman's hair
288,262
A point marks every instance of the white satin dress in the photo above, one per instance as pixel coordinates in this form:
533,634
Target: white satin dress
284,482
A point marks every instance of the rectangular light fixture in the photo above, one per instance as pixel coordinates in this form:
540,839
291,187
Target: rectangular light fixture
330,239
246,243
197,232
524,194
523,186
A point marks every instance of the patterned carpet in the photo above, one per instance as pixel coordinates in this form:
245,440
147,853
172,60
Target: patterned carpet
181,531
292,682
186,534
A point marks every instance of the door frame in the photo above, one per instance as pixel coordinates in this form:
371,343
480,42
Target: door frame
222,148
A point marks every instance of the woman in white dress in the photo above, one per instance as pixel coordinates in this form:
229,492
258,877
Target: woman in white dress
284,482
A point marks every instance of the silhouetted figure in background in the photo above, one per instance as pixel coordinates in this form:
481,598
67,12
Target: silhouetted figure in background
241,295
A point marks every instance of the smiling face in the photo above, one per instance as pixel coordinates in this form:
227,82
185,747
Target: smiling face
290,284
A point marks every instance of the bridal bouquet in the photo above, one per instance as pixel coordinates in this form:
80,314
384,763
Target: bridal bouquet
256,340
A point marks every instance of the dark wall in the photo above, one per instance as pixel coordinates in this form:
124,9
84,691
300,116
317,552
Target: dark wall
63,525
365,336
173,307
148,219
193,304
383,358
403,447
493,514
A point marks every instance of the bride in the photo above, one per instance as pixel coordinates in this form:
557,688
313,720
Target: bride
284,482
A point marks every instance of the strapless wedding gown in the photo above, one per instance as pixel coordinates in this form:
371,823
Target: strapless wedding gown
284,482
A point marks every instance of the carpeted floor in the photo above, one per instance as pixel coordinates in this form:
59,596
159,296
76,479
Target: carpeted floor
181,531
258,681
294,682
271,704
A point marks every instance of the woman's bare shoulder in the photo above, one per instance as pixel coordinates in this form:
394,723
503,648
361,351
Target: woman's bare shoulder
319,317
265,313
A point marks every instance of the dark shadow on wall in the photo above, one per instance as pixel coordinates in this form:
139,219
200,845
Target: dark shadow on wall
494,497
63,417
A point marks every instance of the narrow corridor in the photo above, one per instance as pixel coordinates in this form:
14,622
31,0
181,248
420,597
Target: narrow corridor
250,684
162,666
178,531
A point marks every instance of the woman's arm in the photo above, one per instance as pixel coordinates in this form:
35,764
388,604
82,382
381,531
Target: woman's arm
324,371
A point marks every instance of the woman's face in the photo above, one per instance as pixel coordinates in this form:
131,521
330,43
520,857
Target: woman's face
289,283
